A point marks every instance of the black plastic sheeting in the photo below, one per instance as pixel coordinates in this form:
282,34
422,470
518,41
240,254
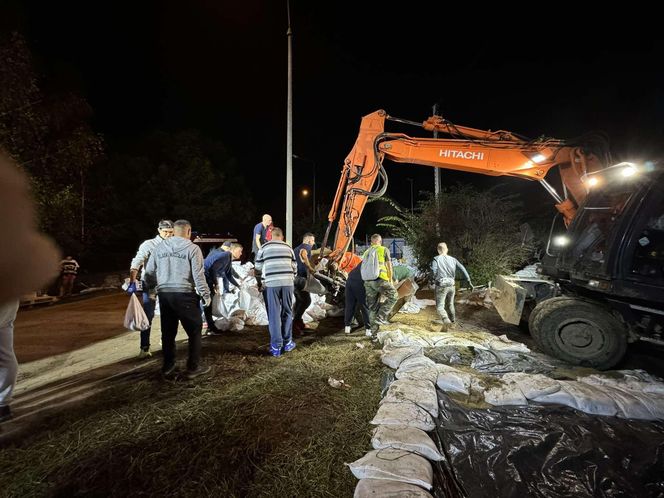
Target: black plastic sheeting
545,451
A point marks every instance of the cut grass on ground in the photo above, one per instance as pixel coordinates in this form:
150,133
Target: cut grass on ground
264,427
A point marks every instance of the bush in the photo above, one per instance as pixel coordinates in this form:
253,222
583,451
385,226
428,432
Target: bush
481,229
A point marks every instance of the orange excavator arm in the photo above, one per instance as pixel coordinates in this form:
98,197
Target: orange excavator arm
496,153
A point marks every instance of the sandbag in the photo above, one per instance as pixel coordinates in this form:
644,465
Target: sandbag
402,437
533,385
403,413
375,488
393,356
417,367
394,465
452,380
582,397
502,343
135,317
506,394
420,392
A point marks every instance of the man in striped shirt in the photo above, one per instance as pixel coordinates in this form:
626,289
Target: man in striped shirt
275,269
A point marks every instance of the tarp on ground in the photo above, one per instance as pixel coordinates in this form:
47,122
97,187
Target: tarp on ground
545,451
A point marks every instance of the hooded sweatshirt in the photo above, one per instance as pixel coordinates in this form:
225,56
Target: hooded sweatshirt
143,253
176,265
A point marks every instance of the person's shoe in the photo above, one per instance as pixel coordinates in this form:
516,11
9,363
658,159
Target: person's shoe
168,371
347,329
276,352
368,332
5,413
382,321
199,370
290,346
144,354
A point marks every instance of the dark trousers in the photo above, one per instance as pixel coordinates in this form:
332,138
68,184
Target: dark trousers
184,308
356,296
148,307
280,315
302,302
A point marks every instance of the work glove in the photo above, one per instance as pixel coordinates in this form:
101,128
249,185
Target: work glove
131,288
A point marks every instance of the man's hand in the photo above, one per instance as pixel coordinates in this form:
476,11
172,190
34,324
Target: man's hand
207,301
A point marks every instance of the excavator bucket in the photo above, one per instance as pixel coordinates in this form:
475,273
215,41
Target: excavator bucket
509,300
405,289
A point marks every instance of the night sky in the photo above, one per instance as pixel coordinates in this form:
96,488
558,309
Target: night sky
220,67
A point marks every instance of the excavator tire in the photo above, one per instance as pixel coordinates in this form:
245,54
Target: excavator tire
579,332
539,310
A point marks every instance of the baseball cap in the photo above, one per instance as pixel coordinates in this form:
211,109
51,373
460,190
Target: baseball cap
165,224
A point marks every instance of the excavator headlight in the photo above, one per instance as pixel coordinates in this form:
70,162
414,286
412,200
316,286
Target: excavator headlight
561,240
538,158
628,170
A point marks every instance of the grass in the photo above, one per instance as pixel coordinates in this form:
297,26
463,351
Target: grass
259,427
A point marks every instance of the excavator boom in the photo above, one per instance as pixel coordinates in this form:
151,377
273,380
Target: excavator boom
496,153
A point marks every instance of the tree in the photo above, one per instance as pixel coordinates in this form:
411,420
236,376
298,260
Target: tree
481,229
49,137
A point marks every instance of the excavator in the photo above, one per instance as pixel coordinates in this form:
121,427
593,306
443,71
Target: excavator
601,284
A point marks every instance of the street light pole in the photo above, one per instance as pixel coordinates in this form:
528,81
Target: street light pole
289,135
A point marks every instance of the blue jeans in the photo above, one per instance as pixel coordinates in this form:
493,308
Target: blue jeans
280,314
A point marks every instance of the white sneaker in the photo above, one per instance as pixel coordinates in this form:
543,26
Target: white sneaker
144,354
367,332
347,329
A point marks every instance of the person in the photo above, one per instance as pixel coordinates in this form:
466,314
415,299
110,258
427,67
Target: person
444,268
356,296
222,267
147,295
260,235
37,257
401,273
302,297
380,287
68,270
175,269
275,269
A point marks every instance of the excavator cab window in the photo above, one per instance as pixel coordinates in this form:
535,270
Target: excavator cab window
648,259
595,229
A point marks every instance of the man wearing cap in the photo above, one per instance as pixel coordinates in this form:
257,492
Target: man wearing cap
165,229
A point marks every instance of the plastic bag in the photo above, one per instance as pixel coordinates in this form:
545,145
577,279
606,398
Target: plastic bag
135,317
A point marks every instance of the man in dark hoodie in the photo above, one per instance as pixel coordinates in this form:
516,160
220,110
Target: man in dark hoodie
176,270
221,268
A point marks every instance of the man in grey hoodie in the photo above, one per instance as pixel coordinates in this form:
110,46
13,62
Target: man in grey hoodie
146,295
444,268
176,269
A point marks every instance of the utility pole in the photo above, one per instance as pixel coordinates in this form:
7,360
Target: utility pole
289,134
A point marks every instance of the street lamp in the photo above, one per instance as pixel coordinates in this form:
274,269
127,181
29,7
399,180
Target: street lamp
313,189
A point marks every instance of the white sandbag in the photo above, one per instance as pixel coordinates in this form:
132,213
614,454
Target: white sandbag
235,324
418,339
642,406
403,413
135,317
402,437
451,340
581,397
393,356
533,385
417,367
629,384
506,394
502,343
379,488
452,380
420,392
394,465
390,337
